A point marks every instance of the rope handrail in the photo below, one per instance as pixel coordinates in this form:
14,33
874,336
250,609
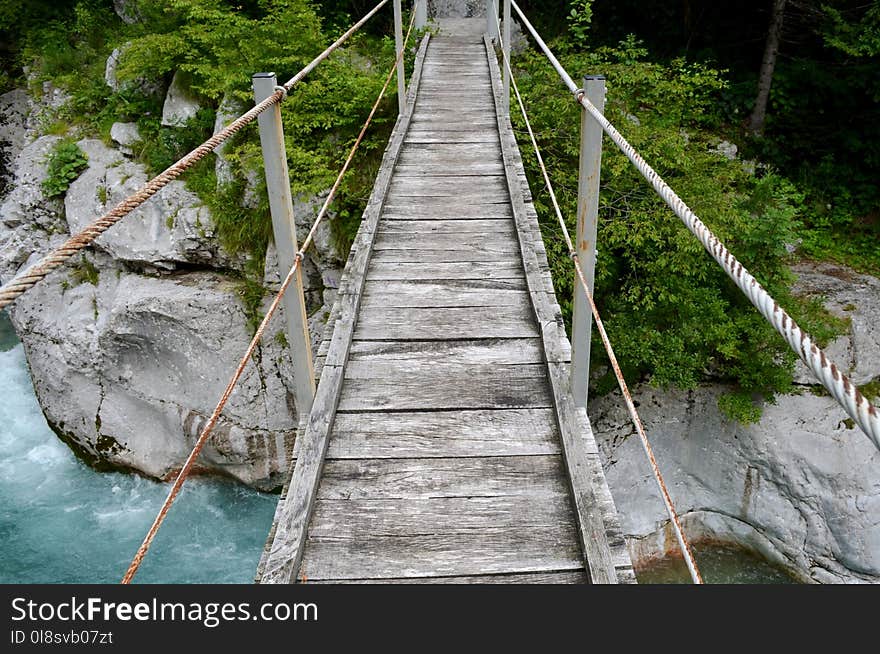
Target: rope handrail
24,281
683,542
862,411
215,415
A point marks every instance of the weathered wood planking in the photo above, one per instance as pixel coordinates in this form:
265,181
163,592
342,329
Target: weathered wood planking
484,351
378,387
488,188
450,323
502,228
444,270
444,461
443,241
567,577
460,433
283,554
444,293
535,477
598,528
448,536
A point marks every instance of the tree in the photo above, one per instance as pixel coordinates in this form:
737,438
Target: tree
768,63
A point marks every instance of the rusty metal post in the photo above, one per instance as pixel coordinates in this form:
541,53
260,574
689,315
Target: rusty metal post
587,223
281,207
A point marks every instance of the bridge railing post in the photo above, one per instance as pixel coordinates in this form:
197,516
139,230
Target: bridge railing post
284,229
492,19
421,10
398,43
506,71
587,224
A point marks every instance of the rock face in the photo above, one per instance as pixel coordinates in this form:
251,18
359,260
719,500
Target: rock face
131,345
802,487
180,104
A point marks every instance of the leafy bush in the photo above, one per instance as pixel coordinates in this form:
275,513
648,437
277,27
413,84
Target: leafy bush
673,315
66,163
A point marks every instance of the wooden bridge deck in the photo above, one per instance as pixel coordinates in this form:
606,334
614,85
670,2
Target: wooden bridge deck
442,446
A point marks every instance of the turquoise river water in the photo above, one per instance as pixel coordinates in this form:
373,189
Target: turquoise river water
63,522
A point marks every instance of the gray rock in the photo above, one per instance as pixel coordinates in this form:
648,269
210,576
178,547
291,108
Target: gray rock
172,228
110,69
800,487
126,135
180,103
13,117
726,149
128,371
127,11
852,296
30,225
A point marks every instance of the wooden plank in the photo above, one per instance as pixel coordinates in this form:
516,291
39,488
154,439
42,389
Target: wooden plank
540,478
579,467
443,241
445,211
440,136
452,150
498,253
444,434
442,169
457,270
353,539
445,293
387,387
567,577
498,228
490,189
485,351
288,533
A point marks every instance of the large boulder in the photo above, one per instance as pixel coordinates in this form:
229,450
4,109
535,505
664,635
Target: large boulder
132,343
128,368
173,228
180,103
802,486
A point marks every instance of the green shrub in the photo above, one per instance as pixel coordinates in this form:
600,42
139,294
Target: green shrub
66,163
673,315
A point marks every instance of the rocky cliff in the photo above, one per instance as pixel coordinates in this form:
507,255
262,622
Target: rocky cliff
802,487
132,344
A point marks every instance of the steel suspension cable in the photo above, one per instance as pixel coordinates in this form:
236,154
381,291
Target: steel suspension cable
683,542
847,394
215,415
25,280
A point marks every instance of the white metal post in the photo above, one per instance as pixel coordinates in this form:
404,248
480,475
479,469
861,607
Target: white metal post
284,228
421,10
506,72
492,19
587,223
398,41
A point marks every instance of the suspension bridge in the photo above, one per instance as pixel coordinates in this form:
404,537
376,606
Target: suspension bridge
443,431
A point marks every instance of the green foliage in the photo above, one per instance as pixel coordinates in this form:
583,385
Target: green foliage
222,46
66,163
673,315
579,18
855,38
